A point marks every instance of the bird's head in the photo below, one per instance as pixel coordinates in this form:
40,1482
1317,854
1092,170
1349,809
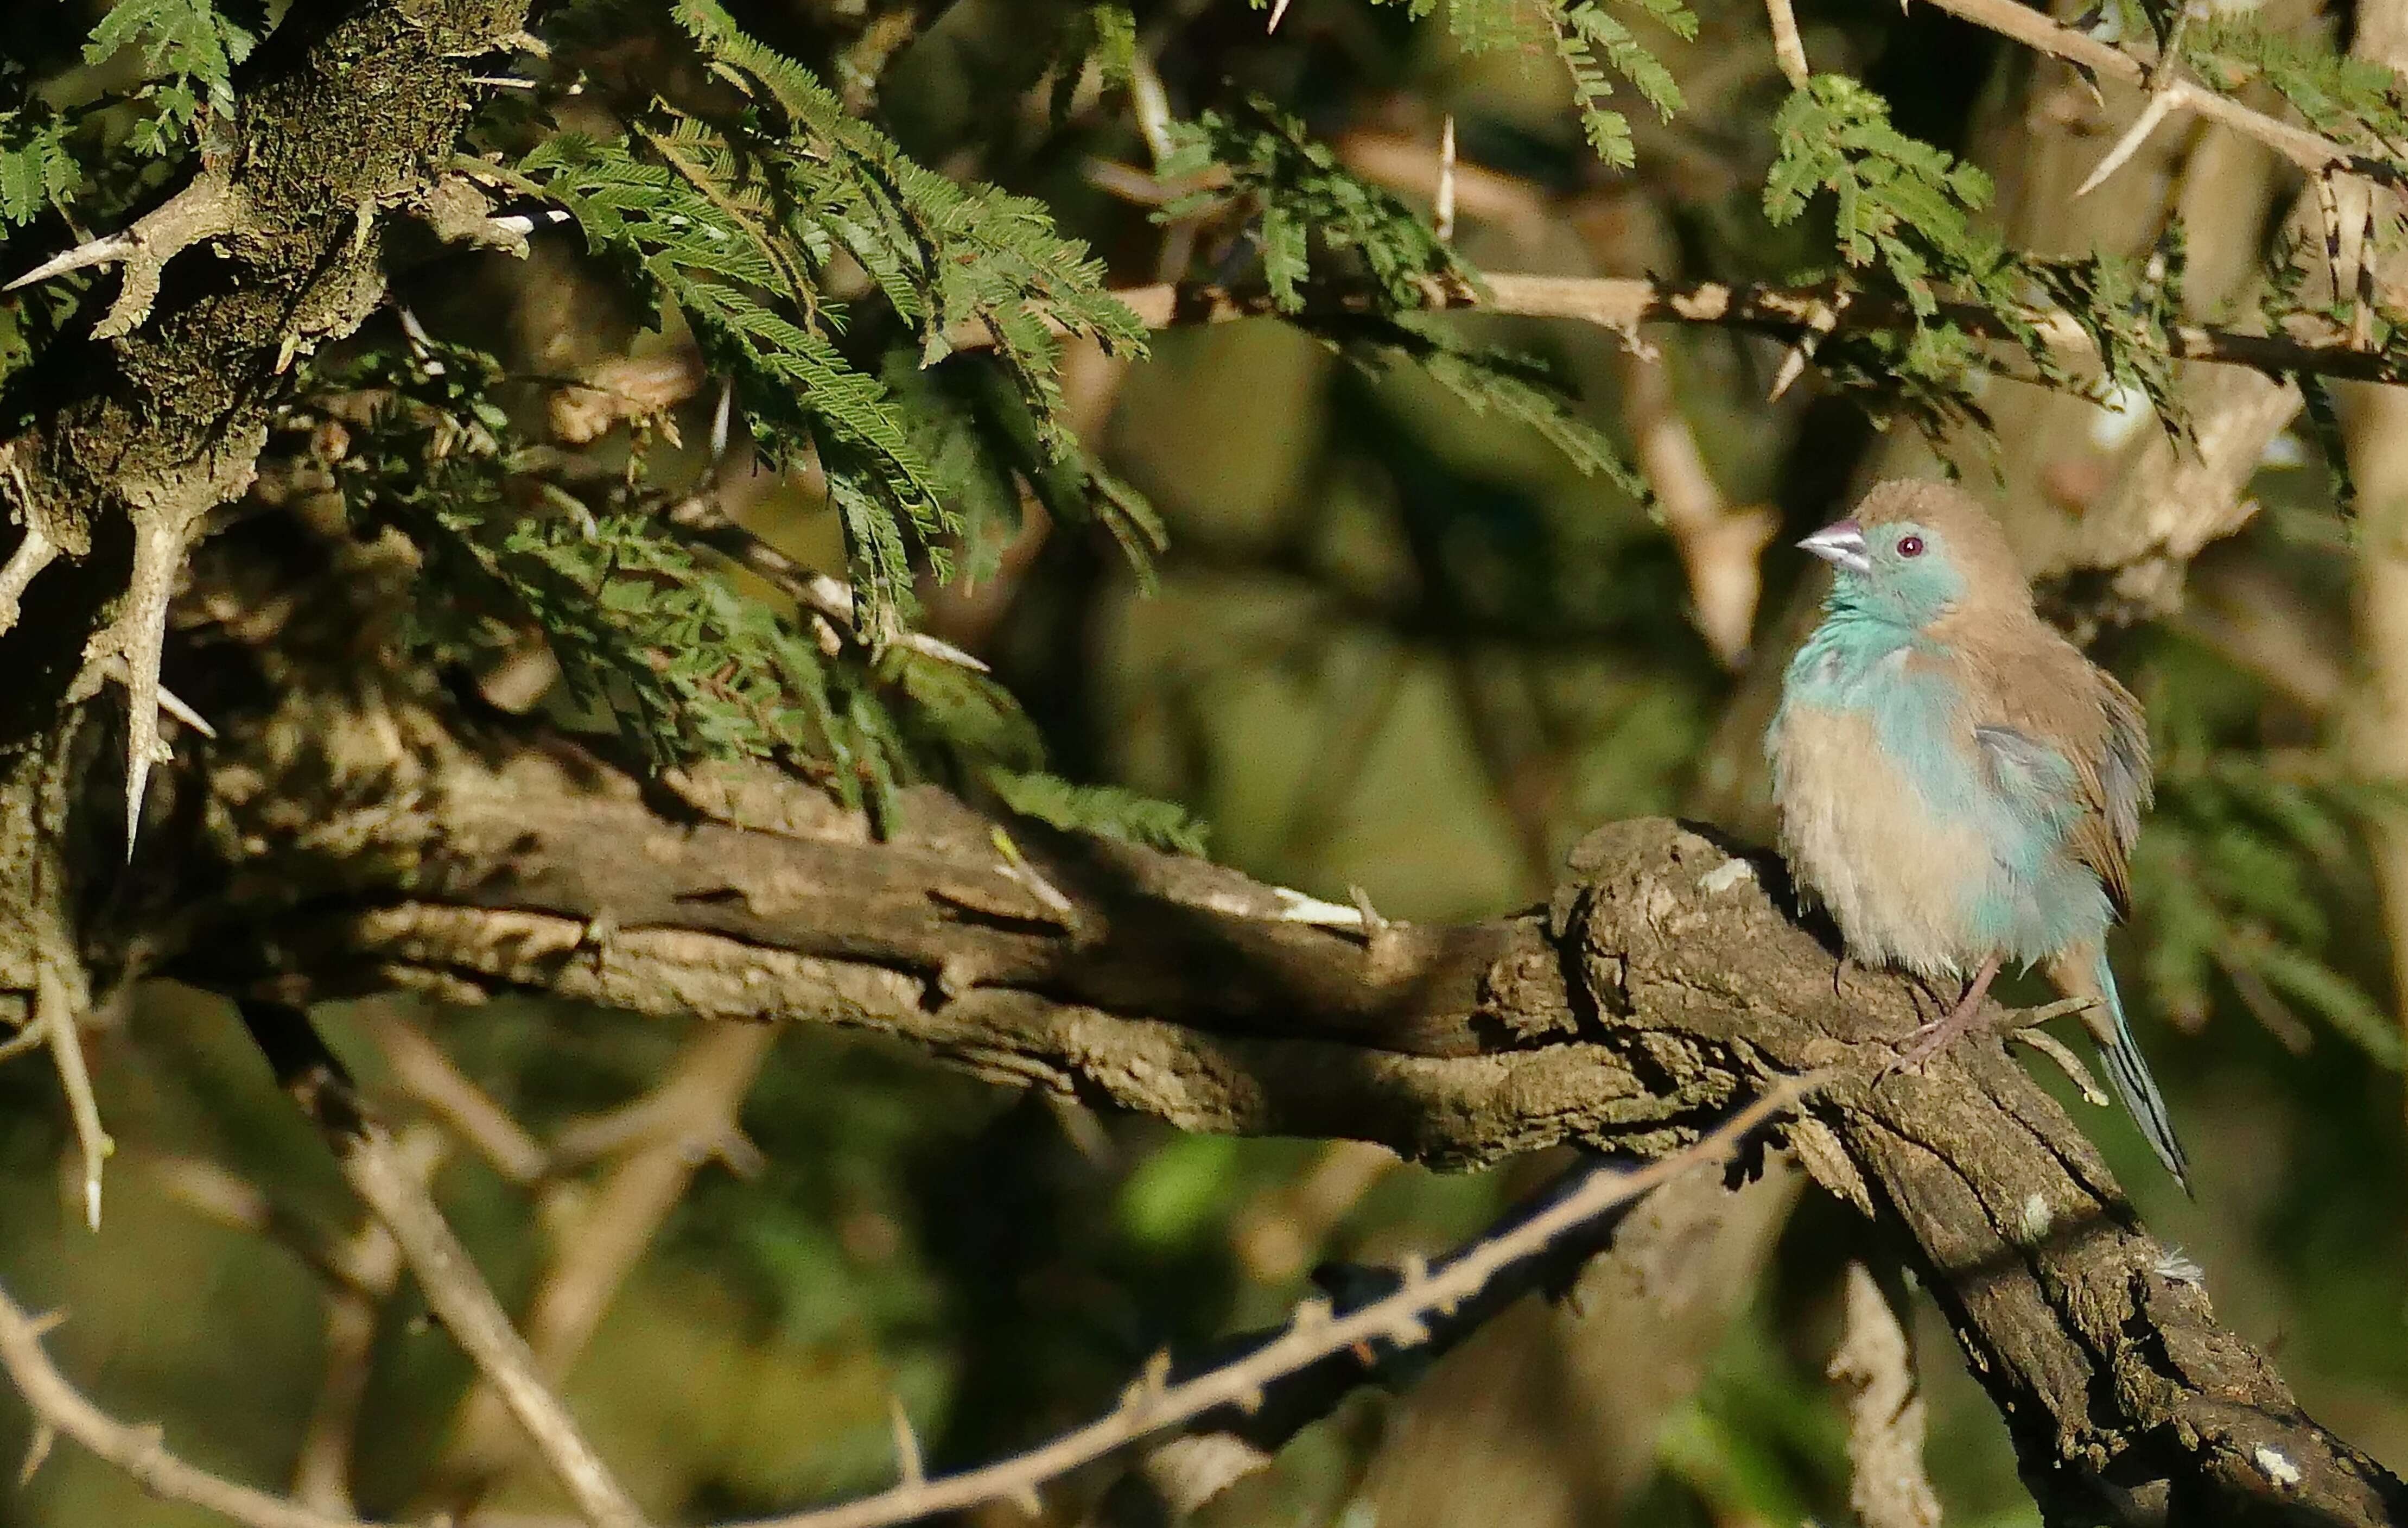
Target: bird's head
1919,553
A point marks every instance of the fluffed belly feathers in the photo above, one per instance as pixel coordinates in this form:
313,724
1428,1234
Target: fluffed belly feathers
1912,881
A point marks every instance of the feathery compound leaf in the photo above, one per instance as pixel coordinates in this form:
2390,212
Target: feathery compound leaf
650,638
1589,41
1308,203
1900,204
36,169
1583,34
1517,386
738,224
1108,810
2354,99
188,49
710,257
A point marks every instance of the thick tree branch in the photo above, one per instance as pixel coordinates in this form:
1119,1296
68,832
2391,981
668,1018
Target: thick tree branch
350,842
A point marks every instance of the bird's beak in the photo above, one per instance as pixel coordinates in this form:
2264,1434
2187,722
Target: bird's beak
1842,543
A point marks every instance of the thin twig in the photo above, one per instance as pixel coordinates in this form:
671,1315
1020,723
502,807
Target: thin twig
371,1263
1622,303
59,1408
1154,1402
2036,29
1788,49
427,1074
702,517
457,1293
2067,1063
693,1118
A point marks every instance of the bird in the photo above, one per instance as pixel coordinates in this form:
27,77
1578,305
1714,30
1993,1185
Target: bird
1958,785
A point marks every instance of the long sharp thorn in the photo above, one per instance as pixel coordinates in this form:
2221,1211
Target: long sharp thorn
37,1450
169,703
99,252
2129,144
907,1444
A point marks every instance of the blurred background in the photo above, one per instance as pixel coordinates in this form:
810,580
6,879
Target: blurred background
1395,646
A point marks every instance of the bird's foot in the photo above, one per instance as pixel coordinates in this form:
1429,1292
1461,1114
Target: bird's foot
1938,1036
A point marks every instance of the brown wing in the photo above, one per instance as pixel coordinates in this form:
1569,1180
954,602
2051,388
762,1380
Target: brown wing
2043,688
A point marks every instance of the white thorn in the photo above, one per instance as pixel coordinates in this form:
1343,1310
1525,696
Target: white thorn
99,252
525,223
35,1451
1791,366
719,419
1444,215
169,703
421,344
75,1080
1295,907
944,651
908,1459
1279,9
2129,144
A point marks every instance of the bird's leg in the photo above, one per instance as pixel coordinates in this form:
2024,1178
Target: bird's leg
1919,988
1934,1037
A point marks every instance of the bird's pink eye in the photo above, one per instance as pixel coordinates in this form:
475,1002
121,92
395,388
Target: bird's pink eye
1910,546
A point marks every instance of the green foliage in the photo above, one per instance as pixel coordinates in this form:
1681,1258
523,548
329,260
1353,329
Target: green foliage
651,640
1105,34
188,50
1108,810
2356,100
1488,380
2229,879
1309,208
1899,206
646,636
1904,227
1319,224
38,169
1589,41
737,217
2127,306
185,50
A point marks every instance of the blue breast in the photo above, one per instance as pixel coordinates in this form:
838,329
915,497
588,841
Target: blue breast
2018,798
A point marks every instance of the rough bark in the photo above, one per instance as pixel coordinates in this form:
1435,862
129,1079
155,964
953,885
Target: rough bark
349,113
351,834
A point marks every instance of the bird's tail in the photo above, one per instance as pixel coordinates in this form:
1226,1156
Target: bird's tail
2126,1067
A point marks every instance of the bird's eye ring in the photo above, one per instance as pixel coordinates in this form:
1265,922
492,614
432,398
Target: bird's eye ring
1910,546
